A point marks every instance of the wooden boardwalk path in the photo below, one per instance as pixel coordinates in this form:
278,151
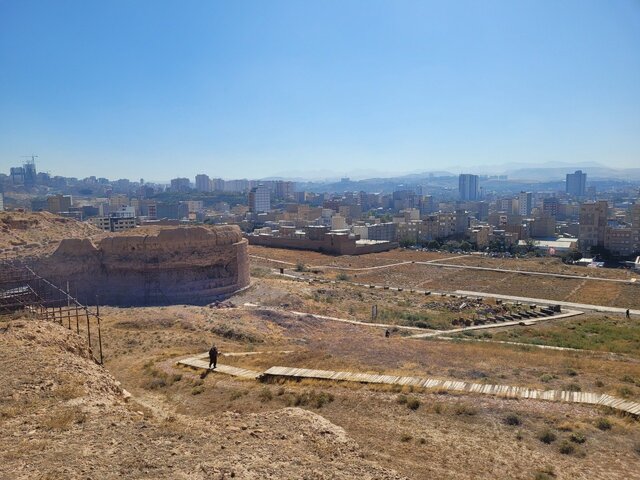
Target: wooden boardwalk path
199,362
460,386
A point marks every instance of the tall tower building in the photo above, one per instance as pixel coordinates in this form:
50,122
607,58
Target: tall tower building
525,203
259,199
468,186
550,206
576,183
203,183
30,174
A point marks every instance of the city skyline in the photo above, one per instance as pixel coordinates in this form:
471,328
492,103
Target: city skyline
285,88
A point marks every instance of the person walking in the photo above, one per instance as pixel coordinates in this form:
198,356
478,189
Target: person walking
628,313
213,356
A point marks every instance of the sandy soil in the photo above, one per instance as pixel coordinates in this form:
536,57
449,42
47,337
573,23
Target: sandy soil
63,416
38,233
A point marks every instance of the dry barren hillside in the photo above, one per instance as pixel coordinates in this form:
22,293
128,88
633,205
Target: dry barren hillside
38,232
63,416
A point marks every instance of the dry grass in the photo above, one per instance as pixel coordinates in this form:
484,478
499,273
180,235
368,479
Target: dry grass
541,264
62,419
439,278
463,436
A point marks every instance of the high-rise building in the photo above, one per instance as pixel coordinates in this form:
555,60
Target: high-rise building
405,199
180,185
30,174
635,225
203,183
468,186
525,203
550,206
217,185
283,190
426,204
241,185
17,175
259,199
593,224
576,183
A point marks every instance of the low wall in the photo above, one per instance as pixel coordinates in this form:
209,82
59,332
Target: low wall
336,247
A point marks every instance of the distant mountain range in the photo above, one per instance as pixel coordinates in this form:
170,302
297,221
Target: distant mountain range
548,171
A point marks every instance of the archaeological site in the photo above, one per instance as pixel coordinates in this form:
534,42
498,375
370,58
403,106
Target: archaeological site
152,266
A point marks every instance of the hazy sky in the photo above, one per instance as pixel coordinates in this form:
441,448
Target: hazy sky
158,89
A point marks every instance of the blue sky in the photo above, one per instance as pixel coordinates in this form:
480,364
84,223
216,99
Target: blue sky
158,89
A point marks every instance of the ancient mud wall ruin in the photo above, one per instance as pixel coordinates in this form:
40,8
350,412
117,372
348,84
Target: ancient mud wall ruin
193,265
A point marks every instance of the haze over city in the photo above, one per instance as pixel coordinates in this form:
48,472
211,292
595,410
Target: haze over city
160,89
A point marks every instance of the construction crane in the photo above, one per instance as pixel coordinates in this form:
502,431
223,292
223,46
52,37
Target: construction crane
32,157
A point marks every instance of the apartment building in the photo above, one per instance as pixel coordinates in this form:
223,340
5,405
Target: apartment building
593,224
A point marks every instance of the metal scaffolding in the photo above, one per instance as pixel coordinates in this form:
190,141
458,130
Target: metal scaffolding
23,290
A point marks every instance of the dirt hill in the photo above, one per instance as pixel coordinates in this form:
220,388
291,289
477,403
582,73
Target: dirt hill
63,416
38,232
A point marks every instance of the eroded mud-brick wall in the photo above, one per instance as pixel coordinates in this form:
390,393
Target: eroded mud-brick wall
194,265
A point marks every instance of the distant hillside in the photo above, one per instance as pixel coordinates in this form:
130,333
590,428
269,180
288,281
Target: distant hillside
593,173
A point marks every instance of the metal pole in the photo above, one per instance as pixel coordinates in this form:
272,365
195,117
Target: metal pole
99,332
88,327
75,301
68,306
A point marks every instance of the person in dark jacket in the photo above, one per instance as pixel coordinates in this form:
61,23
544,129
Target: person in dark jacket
213,356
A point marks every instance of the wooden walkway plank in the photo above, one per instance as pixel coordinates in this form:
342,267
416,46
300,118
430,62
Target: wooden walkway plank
226,369
461,386
428,383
